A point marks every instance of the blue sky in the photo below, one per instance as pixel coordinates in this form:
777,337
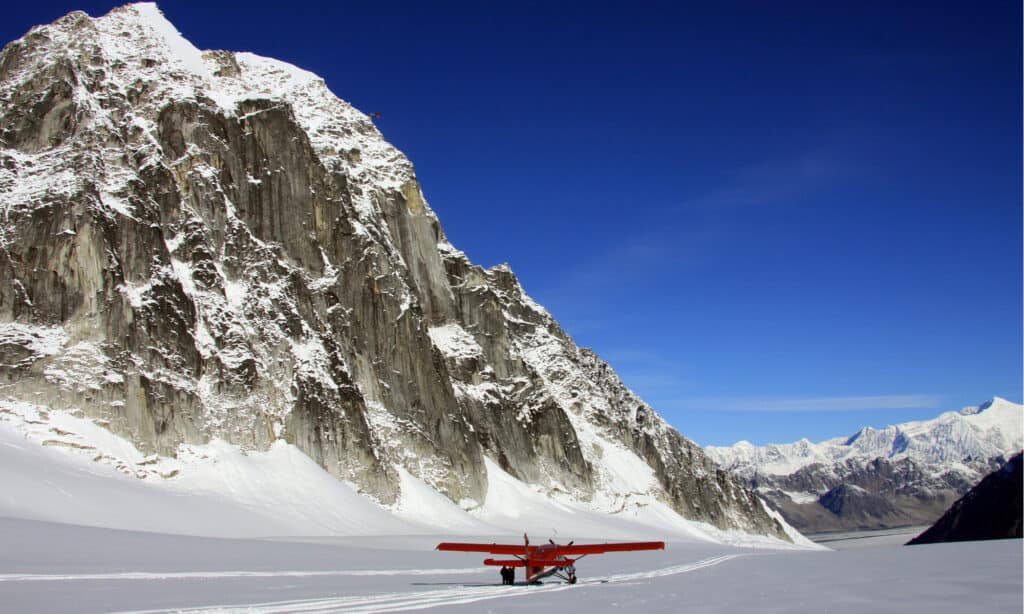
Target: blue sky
775,220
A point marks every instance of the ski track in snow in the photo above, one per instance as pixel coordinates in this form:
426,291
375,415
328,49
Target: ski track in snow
206,575
398,602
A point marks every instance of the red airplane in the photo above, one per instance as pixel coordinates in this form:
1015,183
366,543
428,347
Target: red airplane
550,559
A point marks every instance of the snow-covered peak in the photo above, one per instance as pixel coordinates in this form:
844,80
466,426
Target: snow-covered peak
996,402
142,33
141,53
993,429
282,276
178,49
135,53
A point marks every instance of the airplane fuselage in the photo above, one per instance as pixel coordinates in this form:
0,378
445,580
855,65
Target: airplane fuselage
548,553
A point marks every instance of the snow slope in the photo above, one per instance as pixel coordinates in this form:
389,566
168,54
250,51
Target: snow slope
61,467
58,467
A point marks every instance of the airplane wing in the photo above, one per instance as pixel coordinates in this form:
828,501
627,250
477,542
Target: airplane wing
602,548
488,548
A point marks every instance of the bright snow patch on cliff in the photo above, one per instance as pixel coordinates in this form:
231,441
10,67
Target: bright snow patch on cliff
455,342
180,49
81,367
38,341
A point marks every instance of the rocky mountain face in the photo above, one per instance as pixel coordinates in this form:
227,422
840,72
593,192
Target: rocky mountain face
901,475
200,245
991,510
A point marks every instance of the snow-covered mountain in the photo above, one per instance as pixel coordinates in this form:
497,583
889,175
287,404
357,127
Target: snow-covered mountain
994,509
903,474
201,247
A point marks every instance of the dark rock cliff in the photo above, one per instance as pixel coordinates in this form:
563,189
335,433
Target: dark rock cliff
202,245
991,510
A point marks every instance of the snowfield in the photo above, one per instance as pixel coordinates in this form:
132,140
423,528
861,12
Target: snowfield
59,568
305,542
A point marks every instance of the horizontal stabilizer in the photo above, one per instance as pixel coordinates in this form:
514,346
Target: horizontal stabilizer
551,562
508,563
489,548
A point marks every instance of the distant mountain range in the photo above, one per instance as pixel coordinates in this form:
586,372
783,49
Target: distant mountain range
901,475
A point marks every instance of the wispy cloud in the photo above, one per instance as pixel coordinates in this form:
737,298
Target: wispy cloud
650,374
585,291
684,236
810,405
776,182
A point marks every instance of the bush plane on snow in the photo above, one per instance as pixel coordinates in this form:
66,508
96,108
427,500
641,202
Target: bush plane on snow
546,560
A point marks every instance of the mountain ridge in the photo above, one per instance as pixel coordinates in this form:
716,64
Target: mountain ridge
902,474
890,441
205,245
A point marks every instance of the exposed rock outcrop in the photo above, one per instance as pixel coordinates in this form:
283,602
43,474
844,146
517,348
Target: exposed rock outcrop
202,245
